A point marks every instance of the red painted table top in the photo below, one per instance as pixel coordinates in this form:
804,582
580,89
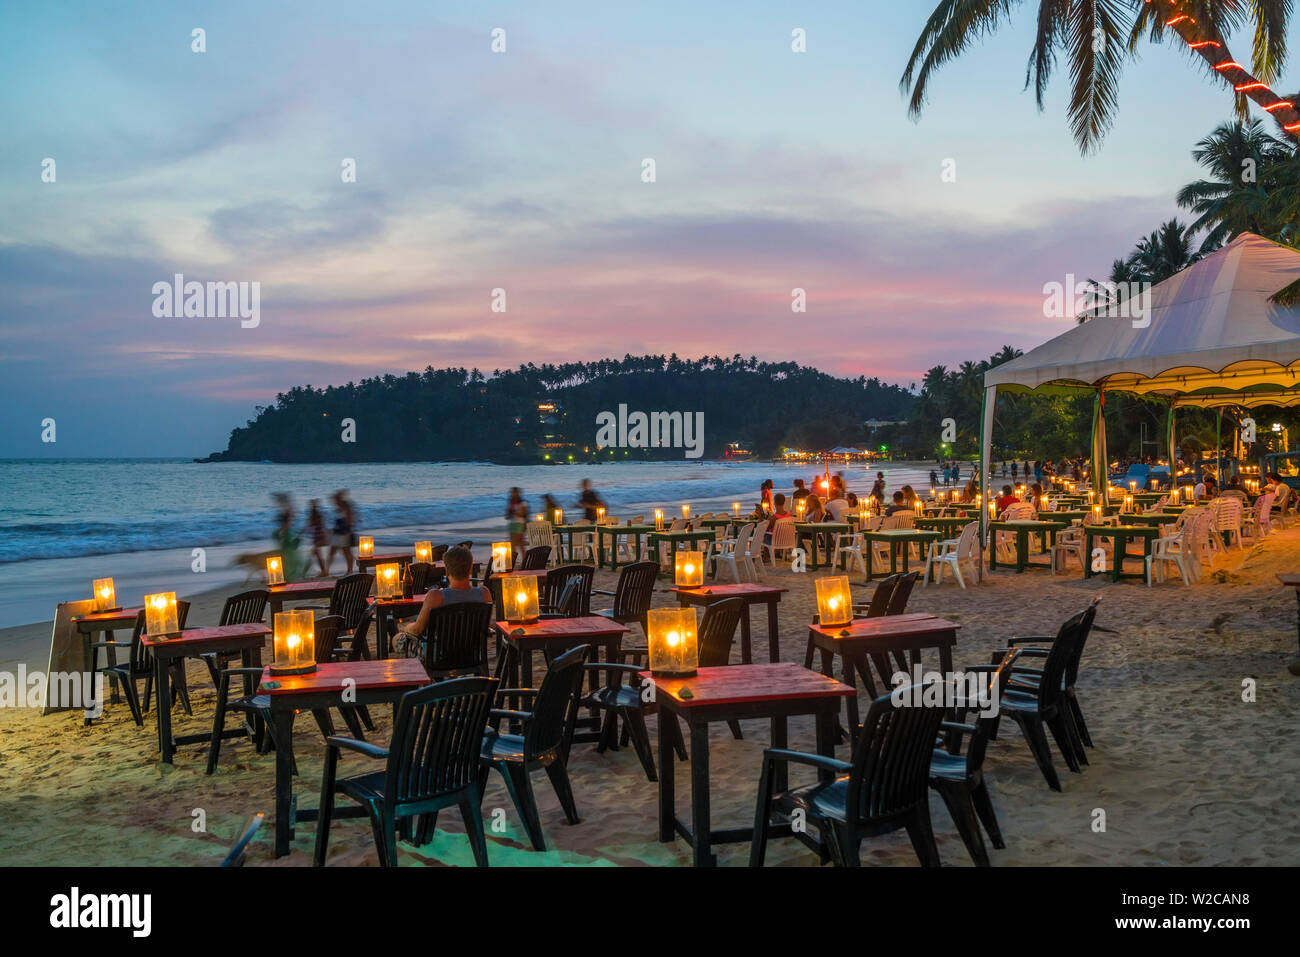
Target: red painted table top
399,600
535,572
199,636
890,625
1291,580
126,615
594,626
741,590
330,676
738,684
293,588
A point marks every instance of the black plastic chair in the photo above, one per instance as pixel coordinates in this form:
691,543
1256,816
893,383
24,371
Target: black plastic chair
455,641
1024,675
552,586
422,576
535,558
547,731
879,604
632,594
959,778
431,763
245,608
1045,703
235,856
140,664
622,701
884,787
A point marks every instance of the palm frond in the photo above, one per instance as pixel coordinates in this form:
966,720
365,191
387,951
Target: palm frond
951,28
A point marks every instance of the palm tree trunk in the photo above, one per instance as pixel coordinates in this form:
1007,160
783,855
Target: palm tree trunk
1214,51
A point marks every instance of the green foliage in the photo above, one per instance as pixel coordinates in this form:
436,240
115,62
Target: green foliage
464,415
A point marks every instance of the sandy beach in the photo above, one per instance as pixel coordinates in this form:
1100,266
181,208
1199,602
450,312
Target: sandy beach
1186,772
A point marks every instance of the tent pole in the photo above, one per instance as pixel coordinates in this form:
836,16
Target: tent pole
1218,449
986,464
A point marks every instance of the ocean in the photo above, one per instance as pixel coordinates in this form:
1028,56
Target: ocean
66,522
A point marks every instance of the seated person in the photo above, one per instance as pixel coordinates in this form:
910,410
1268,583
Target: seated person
813,511
1006,500
458,561
779,511
836,508
799,490
900,504
853,499
969,493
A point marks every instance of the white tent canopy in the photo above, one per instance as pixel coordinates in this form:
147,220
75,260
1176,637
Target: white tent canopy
1211,330
1213,338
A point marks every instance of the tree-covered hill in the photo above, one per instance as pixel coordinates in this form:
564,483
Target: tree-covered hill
548,412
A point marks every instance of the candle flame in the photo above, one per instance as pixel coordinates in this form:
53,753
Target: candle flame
672,639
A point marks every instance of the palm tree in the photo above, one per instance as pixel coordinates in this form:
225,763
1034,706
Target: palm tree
1097,36
1166,251
1241,158
1154,259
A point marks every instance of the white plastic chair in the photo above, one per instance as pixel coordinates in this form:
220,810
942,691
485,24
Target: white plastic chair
1258,520
1069,541
1229,520
1179,549
951,553
783,539
850,545
726,554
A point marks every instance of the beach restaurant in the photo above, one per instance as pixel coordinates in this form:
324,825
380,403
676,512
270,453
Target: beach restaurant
1217,335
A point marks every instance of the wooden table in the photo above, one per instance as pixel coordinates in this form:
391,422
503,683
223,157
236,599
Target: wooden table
777,691
399,607
635,532
876,639
1292,581
1157,520
103,622
298,591
1121,534
717,522
815,530
367,682
553,636
372,561
896,537
1023,527
245,639
753,594
673,539
947,525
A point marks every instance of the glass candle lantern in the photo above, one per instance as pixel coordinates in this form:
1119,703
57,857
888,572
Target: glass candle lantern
688,568
388,580
424,551
1128,503
559,516
105,594
1132,486
519,595
659,519
502,557
1096,514
1091,494
799,506
735,509
674,644
274,570
541,518
686,511
834,601
600,514
365,546
294,642
160,615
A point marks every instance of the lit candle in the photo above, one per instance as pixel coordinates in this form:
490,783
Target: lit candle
274,571
160,615
659,518
424,551
105,594
735,509
365,546
686,511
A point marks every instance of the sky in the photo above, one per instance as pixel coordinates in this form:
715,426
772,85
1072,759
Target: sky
522,171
